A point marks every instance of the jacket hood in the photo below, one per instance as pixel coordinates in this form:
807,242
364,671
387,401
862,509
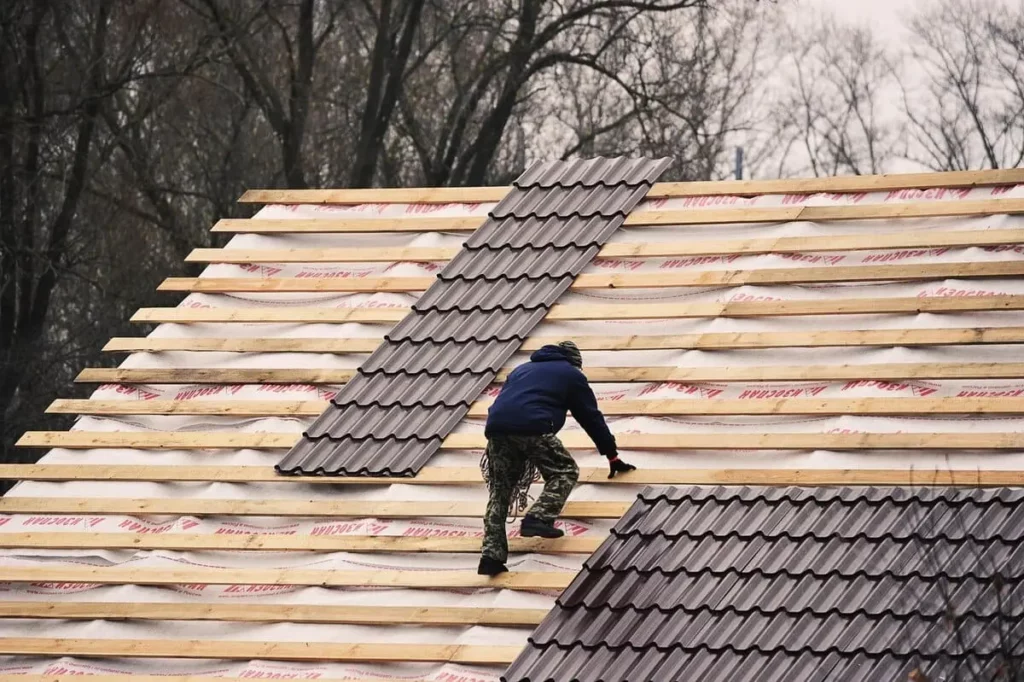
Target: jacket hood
549,353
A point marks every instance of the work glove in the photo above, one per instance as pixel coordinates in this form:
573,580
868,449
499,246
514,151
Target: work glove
617,466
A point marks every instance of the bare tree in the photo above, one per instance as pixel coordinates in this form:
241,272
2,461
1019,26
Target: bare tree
831,116
964,99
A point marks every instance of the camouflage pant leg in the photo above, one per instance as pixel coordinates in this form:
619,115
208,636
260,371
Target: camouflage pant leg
505,466
559,471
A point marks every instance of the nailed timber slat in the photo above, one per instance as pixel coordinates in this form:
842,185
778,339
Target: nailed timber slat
286,543
130,677
752,406
622,311
707,341
832,243
660,190
281,507
119,575
398,195
575,440
927,370
270,315
471,476
642,218
214,376
634,280
276,613
245,650
259,345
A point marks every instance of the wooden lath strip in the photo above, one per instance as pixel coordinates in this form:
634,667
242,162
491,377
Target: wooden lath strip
708,341
414,579
660,190
244,650
281,507
921,239
754,405
286,543
256,612
632,280
130,677
641,218
606,311
166,440
471,476
927,370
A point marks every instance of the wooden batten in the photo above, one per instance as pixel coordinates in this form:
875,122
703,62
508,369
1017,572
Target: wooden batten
471,476
661,190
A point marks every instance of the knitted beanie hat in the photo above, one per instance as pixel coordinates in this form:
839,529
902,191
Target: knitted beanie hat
573,353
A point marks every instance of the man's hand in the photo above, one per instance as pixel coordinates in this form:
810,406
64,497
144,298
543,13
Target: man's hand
617,466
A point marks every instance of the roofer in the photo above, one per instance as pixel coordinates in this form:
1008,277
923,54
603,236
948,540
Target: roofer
521,443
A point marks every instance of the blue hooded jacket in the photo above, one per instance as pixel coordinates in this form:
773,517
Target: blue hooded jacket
537,395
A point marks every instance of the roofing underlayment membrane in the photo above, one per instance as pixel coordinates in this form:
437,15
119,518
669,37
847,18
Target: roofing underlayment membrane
397,490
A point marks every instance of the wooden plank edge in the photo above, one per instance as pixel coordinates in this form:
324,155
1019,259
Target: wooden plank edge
270,613
291,508
269,542
660,190
653,406
469,476
246,650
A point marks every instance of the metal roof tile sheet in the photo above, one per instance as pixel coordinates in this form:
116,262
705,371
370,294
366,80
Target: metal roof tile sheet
418,384
438,358
464,326
798,584
542,233
514,264
505,296
417,389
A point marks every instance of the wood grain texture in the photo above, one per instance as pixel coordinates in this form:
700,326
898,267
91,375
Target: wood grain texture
707,341
281,507
632,280
471,476
921,239
652,407
287,543
163,440
255,612
640,218
244,650
885,372
660,190
606,311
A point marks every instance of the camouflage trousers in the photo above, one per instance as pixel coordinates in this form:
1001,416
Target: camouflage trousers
507,459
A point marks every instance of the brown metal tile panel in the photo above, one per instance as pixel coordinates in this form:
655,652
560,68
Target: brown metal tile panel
413,390
517,263
434,359
542,233
509,296
410,390
794,584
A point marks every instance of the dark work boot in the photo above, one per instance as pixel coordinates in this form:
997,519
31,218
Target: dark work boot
492,567
532,527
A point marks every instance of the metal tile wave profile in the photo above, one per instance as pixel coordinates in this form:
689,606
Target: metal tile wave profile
419,383
795,585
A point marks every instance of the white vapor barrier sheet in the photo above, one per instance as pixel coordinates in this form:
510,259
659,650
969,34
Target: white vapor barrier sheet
471,527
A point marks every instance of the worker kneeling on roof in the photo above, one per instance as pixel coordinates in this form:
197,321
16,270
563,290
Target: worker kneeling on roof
521,443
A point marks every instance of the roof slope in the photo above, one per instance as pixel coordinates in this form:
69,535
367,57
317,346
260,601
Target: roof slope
419,383
868,337
794,584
